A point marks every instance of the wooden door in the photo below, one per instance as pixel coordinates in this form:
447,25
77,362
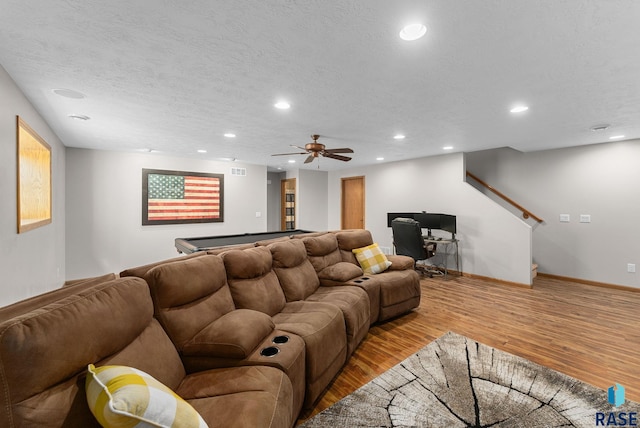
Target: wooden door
288,204
352,203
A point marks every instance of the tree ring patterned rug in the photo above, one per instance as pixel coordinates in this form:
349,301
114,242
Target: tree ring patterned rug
457,382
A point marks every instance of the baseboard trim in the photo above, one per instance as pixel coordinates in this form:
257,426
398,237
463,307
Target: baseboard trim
589,282
488,278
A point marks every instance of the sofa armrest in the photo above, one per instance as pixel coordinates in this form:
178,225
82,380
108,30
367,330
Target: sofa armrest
233,335
400,262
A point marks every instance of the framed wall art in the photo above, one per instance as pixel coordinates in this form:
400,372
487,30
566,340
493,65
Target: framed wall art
177,197
33,178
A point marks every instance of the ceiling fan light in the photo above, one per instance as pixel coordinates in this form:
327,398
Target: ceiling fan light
282,105
413,32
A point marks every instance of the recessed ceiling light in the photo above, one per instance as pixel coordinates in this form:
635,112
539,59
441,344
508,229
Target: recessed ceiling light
602,127
447,148
79,117
413,32
69,93
279,168
230,135
380,159
292,161
519,109
202,151
398,137
282,105
616,137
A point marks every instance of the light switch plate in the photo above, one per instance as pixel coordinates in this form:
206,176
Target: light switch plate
565,218
585,218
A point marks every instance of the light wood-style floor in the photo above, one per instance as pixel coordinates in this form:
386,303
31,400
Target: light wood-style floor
588,332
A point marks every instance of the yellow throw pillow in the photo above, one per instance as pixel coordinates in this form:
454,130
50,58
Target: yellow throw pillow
372,260
121,396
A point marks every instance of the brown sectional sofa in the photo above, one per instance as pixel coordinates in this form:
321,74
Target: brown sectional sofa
249,335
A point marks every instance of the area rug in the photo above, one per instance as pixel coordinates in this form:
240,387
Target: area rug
457,382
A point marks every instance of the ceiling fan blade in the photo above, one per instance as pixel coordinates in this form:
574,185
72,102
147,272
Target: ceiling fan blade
338,157
309,159
298,147
342,150
287,154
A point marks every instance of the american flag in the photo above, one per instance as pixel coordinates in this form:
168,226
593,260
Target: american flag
177,197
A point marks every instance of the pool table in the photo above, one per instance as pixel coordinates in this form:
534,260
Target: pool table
191,245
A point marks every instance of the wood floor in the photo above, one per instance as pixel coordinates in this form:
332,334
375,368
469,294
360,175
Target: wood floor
588,332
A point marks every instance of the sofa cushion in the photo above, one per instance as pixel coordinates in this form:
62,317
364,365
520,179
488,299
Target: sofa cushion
354,304
239,397
322,327
322,250
189,294
295,272
234,335
95,280
140,271
351,239
112,323
121,396
339,273
371,259
253,283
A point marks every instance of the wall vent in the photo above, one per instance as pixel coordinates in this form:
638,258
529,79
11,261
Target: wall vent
239,171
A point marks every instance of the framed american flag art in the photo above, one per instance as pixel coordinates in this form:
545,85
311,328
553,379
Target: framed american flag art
177,197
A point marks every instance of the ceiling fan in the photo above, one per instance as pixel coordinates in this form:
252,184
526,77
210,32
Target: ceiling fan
316,149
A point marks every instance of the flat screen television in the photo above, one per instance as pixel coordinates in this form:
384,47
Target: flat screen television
391,216
446,222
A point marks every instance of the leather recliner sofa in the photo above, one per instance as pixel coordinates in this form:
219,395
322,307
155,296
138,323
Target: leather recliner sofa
249,335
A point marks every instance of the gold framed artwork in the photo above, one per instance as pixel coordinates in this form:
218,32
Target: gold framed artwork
34,178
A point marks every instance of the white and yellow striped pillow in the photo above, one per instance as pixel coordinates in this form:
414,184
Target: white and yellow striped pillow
121,396
372,260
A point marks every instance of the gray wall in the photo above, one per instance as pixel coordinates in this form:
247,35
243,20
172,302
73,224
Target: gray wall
599,180
312,196
493,242
104,209
273,200
32,262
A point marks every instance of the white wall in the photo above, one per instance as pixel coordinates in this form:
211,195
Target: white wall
600,180
104,209
312,200
493,242
32,262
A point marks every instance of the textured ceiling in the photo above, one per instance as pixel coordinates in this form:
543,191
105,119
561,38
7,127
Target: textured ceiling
175,76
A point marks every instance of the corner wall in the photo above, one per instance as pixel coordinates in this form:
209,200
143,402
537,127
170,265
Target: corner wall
104,209
493,242
32,262
600,180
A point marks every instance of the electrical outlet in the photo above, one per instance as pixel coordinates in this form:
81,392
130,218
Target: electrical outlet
585,218
565,218
631,267
258,214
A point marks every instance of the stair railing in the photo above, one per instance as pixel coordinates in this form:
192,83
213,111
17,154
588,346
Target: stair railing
525,212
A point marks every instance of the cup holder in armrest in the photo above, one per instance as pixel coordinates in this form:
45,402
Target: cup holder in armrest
357,281
364,278
280,339
269,351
